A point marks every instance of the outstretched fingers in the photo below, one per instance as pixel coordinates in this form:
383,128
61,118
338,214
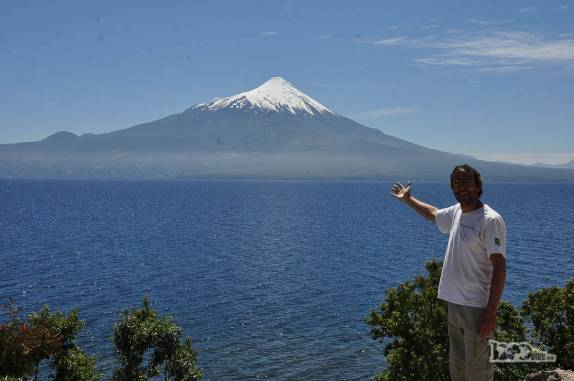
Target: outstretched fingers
397,189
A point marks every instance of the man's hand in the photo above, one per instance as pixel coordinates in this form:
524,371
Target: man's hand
487,323
404,194
400,192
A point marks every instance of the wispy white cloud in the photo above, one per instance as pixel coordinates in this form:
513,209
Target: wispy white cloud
445,60
386,112
453,31
395,41
538,10
478,22
504,69
322,36
431,26
495,52
511,45
270,33
528,10
487,22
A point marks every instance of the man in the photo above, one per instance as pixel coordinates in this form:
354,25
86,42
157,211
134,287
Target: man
473,272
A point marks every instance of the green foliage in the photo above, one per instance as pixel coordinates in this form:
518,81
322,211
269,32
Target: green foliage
510,328
69,362
140,335
24,344
144,342
551,312
75,365
44,335
132,338
182,365
65,327
416,321
412,322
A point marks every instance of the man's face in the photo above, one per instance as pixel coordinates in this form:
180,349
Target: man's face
465,189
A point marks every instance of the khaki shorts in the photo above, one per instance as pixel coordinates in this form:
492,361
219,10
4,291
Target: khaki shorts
468,352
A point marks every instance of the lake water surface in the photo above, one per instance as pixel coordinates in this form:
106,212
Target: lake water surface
271,279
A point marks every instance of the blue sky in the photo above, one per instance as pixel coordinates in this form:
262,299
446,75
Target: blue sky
493,79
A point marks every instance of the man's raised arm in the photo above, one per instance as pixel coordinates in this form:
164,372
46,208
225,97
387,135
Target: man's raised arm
404,194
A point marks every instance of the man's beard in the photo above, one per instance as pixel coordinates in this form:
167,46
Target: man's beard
468,199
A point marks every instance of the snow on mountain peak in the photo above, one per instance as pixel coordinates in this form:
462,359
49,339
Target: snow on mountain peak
276,94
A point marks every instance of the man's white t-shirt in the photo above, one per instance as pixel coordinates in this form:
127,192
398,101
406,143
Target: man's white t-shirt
473,237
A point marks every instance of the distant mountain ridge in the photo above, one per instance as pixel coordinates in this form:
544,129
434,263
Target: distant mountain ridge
272,131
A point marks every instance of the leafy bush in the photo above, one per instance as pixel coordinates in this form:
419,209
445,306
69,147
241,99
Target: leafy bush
144,343
551,312
139,334
416,322
24,344
412,322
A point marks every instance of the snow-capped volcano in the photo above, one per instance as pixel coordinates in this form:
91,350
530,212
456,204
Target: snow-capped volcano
276,94
273,131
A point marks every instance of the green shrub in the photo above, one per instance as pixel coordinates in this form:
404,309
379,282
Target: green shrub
145,344
412,323
551,312
44,336
415,321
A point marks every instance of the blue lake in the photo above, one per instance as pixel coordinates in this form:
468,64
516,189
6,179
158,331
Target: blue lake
270,279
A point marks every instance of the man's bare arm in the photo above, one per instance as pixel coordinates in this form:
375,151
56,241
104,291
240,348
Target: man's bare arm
404,194
488,323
